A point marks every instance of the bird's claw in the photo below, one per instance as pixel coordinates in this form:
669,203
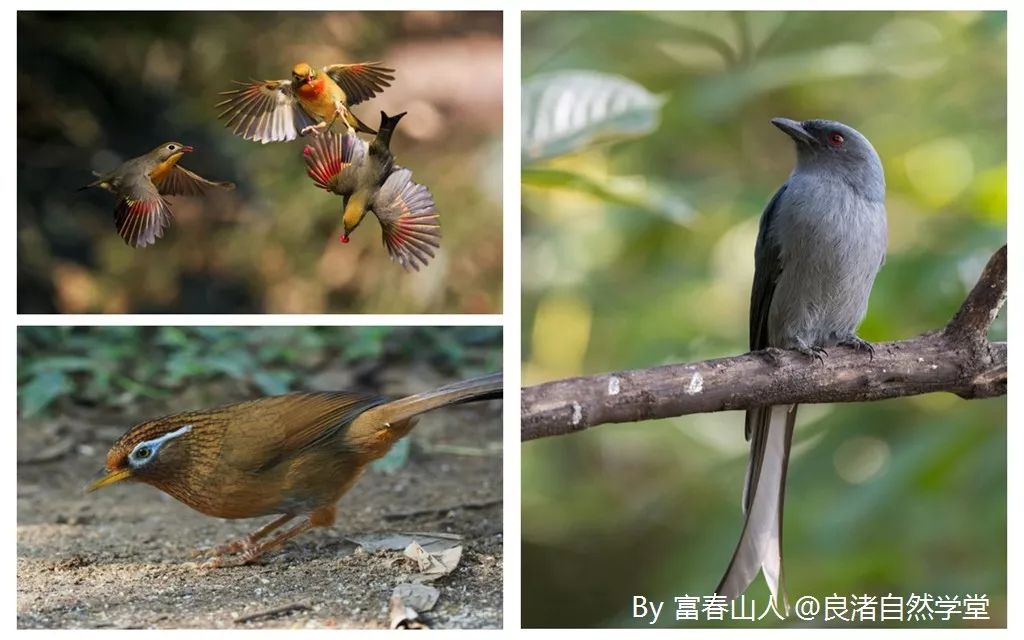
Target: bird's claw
858,344
818,353
771,354
313,128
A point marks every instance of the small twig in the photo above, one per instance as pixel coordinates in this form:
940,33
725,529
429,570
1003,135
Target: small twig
403,515
272,613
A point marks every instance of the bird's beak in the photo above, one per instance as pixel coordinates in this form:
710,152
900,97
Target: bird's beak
187,149
108,478
794,130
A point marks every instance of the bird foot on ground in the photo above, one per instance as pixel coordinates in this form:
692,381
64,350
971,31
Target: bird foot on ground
240,556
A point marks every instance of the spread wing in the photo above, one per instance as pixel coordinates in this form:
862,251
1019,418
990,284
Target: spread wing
266,111
333,161
179,181
360,81
408,220
142,214
283,426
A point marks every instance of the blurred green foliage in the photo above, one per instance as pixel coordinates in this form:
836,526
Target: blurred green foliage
116,367
907,496
97,88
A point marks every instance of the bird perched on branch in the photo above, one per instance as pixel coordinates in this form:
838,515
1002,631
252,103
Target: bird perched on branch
821,242
142,212
312,100
368,179
293,455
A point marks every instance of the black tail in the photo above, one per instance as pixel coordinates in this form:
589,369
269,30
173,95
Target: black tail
387,127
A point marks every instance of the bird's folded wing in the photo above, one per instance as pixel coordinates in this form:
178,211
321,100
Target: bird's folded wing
360,81
179,181
264,111
408,220
333,161
280,427
141,215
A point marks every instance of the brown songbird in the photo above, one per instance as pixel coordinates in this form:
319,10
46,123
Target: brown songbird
293,455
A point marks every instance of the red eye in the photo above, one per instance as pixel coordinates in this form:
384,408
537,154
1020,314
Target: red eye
836,139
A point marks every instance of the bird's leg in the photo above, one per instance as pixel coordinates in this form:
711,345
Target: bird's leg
810,351
244,543
771,355
320,518
317,128
858,344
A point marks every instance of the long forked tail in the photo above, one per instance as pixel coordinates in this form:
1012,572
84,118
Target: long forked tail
760,545
384,424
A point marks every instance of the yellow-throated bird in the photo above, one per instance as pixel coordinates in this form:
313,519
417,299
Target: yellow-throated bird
142,212
368,179
311,100
293,455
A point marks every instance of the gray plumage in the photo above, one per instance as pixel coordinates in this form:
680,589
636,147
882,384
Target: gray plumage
821,242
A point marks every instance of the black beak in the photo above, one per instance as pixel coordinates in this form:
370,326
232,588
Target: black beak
795,130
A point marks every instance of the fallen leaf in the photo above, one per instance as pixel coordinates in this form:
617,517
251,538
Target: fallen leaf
390,541
408,601
432,565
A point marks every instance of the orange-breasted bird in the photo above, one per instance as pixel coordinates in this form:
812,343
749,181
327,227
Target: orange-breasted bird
368,179
142,212
293,455
310,101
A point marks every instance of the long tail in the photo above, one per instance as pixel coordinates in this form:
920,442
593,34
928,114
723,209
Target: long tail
380,426
760,545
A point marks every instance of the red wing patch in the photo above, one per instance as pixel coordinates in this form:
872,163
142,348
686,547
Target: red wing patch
328,156
141,222
411,236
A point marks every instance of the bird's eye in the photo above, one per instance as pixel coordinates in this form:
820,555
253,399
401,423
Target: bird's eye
142,453
836,139
170,147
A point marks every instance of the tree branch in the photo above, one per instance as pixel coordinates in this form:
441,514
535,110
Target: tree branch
958,359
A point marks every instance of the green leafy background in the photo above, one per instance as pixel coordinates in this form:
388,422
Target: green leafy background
119,368
637,251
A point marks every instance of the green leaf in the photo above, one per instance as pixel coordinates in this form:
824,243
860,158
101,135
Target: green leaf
566,111
272,383
629,191
42,390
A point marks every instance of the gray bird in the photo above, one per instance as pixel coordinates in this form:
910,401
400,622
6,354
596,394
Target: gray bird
821,242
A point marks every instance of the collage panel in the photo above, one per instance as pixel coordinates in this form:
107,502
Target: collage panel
259,162
827,190
259,477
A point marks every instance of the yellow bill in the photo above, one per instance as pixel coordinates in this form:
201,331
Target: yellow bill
109,478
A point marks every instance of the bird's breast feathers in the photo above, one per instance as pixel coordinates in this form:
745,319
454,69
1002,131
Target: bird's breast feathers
164,167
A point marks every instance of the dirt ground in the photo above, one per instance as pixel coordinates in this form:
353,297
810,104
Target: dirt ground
118,558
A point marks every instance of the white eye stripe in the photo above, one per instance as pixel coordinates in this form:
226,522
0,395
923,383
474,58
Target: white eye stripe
154,445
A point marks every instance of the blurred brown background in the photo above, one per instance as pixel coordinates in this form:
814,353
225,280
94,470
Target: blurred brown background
95,89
